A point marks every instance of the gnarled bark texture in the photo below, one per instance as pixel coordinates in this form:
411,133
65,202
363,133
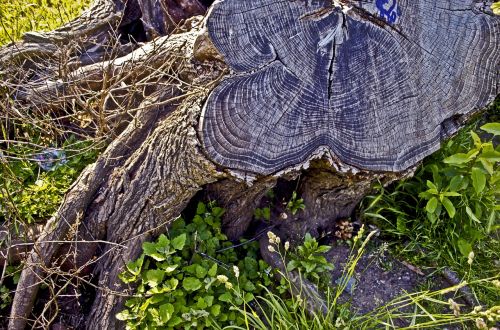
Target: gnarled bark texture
334,94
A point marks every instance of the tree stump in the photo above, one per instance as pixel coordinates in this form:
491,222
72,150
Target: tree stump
339,93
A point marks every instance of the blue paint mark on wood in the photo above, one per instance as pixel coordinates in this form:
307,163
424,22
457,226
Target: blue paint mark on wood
389,10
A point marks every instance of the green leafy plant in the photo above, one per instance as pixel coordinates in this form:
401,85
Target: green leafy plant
449,209
262,213
467,185
419,310
309,259
32,193
185,279
295,204
11,274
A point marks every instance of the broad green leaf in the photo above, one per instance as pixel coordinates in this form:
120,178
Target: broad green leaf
435,176
127,277
495,177
225,297
149,248
448,205
292,264
217,212
431,185
323,249
457,159
215,310
471,214
213,270
455,182
249,286
201,208
431,205
125,315
451,194
251,265
191,284
427,194
179,241
476,139
201,304
266,213
308,266
492,156
478,209
478,179
168,268
464,247
154,277
165,312
488,166
165,287
493,128
472,154
209,300
248,297
162,246
176,320
201,272
135,267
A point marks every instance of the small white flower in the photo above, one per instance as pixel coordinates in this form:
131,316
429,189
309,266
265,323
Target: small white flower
480,324
271,248
271,236
236,271
222,278
470,258
228,285
277,240
287,245
454,307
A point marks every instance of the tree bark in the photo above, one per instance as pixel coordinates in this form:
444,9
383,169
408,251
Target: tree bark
176,145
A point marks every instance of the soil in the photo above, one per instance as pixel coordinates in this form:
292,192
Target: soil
379,278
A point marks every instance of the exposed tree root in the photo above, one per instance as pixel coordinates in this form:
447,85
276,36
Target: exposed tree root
114,199
155,164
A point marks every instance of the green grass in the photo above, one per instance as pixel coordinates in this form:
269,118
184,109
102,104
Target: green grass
20,16
462,235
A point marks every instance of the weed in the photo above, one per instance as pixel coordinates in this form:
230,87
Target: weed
185,279
295,204
309,260
449,209
34,184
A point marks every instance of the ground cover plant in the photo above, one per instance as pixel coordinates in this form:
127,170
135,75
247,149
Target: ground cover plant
41,153
191,276
184,284
447,215
20,16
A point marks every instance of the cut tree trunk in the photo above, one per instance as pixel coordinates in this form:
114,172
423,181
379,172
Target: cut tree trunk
335,94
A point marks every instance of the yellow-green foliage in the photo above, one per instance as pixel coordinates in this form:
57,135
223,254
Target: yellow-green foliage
20,16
